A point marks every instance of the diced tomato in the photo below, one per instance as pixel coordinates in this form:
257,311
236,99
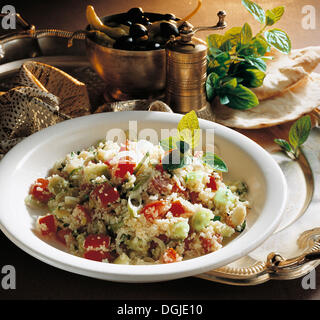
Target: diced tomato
212,184
194,197
177,189
96,255
105,194
47,224
159,167
124,166
160,184
155,210
96,247
170,255
39,190
177,209
61,235
96,241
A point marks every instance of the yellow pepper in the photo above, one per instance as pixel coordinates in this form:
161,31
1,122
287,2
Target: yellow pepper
97,24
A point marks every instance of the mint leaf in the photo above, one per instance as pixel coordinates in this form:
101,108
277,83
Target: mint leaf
242,98
246,34
169,143
279,40
212,83
274,15
253,78
189,130
214,162
257,62
215,40
230,83
299,132
224,100
232,36
257,12
284,144
175,160
183,146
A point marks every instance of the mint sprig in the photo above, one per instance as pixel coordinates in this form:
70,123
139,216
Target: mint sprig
214,162
179,148
298,134
239,58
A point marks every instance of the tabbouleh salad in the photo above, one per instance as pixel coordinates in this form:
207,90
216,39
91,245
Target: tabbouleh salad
117,204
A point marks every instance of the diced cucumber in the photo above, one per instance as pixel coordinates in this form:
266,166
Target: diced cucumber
95,170
138,245
179,230
201,219
194,176
222,197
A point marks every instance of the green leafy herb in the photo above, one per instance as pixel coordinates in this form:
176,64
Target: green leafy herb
180,148
237,59
278,39
298,135
274,15
214,162
255,10
169,143
189,130
175,160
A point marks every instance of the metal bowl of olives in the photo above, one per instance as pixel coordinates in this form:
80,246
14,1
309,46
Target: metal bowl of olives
133,62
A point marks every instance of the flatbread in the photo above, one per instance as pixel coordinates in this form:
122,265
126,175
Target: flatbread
287,71
287,106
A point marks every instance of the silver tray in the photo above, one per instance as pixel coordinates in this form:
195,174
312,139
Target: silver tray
292,251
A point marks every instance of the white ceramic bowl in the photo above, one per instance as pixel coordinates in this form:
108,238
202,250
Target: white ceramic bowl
33,157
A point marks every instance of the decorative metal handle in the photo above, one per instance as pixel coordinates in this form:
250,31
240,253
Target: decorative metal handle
26,26
219,26
275,262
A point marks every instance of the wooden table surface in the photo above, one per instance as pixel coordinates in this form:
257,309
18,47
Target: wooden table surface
37,280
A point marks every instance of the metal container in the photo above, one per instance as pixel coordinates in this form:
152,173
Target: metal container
186,68
129,74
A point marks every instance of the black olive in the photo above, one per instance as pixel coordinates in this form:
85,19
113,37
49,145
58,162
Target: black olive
152,45
167,29
138,30
124,43
140,44
169,16
135,14
145,21
127,23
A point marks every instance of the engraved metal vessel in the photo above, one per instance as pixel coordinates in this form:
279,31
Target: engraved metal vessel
129,74
186,68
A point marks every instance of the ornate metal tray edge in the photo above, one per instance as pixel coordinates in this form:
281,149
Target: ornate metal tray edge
275,266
